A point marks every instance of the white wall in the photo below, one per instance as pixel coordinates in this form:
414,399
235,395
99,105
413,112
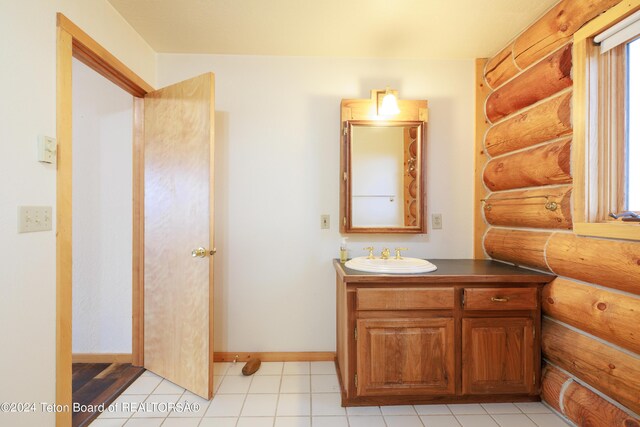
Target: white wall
27,109
102,213
277,171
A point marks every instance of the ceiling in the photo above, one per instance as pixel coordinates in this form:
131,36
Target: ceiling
344,28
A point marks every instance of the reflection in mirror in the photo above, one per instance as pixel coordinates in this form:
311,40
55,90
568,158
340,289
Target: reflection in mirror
377,198
384,164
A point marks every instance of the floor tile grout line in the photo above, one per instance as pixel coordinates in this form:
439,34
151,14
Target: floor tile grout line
496,421
520,411
421,422
310,398
246,395
275,416
532,420
184,391
151,395
384,420
543,413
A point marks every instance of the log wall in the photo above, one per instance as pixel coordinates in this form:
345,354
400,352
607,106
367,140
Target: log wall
590,333
579,404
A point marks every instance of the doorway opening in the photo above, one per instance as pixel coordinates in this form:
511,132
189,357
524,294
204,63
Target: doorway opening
102,235
72,42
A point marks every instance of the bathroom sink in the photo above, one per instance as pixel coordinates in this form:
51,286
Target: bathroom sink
391,265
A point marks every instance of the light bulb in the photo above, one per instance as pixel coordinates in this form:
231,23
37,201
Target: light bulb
389,105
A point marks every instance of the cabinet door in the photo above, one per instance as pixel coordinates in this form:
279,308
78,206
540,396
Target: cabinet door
405,356
497,356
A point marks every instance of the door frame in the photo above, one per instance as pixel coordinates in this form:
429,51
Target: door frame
71,41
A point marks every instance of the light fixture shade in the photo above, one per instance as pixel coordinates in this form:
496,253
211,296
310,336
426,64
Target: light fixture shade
389,105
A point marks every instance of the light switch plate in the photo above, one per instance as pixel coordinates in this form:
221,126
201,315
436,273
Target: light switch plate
47,149
34,218
436,221
325,222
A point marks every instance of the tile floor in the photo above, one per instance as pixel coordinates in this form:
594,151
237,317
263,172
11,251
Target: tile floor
298,394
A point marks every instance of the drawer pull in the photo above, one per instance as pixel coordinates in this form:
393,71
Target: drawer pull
498,299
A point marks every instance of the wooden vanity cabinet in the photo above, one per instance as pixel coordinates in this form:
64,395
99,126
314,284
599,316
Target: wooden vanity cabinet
468,332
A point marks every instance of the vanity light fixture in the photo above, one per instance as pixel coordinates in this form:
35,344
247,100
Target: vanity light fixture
388,106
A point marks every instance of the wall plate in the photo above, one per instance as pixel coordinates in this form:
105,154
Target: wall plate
34,218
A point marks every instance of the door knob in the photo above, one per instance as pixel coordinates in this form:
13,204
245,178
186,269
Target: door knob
199,253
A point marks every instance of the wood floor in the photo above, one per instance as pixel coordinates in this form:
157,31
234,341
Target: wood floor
97,383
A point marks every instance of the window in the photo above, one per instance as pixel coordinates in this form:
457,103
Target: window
633,120
606,151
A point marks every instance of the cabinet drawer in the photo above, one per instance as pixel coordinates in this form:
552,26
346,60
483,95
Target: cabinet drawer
404,299
500,298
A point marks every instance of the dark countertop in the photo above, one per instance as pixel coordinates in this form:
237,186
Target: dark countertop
451,270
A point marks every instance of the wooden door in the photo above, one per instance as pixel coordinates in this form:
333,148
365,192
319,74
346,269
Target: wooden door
497,356
405,356
178,205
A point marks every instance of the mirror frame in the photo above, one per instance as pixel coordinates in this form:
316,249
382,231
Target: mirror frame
364,112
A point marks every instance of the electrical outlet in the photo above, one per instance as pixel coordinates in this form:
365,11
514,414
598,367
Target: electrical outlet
34,218
325,222
436,221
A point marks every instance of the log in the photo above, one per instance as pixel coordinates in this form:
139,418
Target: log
537,83
605,368
545,165
530,208
610,263
544,122
516,246
552,381
581,405
556,28
500,68
611,316
586,408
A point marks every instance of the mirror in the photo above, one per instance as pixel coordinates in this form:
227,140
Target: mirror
382,167
384,172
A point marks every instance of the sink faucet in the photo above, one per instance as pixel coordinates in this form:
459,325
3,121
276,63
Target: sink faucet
370,249
398,254
385,253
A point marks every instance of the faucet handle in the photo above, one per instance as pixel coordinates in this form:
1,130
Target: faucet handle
370,249
398,254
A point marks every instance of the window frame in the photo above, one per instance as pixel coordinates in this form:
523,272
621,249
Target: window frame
598,161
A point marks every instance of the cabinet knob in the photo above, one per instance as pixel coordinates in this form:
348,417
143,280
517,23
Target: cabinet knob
499,299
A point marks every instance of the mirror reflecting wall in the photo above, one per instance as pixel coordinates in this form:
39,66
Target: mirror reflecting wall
384,161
